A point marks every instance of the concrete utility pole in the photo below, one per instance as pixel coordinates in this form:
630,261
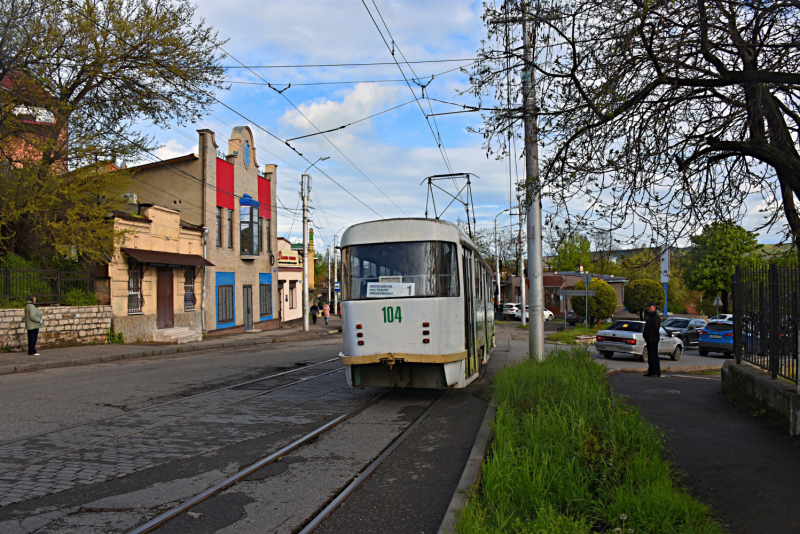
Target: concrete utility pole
536,297
329,273
522,286
335,269
305,190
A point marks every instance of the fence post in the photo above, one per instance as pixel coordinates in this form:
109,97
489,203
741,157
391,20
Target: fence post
58,286
774,320
737,314
8,283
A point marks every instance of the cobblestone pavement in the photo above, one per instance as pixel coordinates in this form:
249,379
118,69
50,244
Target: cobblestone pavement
110,449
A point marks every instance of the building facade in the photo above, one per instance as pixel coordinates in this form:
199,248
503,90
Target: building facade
232,201
290,282
155,276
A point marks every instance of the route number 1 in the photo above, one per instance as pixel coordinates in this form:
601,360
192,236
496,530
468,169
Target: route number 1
390,314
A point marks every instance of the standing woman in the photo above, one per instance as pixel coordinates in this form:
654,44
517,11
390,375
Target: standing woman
33,322
326,312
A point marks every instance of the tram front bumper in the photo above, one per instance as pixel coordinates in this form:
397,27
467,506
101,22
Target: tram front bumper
388,357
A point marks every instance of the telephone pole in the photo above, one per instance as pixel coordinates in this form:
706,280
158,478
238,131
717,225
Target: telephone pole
335,269
305,190
522,285
534,200
329,272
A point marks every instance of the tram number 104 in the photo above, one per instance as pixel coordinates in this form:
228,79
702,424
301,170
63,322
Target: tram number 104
391,315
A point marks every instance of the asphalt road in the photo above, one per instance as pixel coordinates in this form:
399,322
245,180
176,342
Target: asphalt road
102,464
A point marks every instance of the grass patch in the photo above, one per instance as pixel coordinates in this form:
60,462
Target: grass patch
569,458
568,336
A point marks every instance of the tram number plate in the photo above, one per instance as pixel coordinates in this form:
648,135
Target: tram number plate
391,315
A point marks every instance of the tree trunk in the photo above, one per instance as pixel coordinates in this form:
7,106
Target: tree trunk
724,296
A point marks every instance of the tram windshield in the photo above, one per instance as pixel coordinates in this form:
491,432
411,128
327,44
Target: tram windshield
397,270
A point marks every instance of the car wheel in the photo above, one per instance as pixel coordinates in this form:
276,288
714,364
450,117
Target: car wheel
641,357
728,354
676,354
607,354
703,352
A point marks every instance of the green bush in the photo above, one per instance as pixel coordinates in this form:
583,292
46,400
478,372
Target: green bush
639,292
601,306
78,297
568,457
11,303
115,337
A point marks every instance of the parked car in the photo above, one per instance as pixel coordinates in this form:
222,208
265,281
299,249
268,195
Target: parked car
686,329
626,337
574,318
716,336
548,315
722,317
509,310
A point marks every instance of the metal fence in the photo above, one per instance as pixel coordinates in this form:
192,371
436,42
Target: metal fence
49,286
766,309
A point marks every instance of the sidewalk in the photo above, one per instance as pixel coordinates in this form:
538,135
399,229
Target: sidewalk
740,463
15,362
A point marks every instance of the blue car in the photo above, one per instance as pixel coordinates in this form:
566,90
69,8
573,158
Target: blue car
716,336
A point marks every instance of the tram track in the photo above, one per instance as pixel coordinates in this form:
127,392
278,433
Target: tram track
329,507
166,403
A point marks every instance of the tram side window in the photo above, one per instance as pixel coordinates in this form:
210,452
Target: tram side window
448,270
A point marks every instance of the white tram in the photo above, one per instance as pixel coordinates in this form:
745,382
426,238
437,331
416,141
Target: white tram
416,305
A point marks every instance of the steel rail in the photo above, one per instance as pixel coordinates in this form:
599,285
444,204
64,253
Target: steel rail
339,499
78,425
171,421
233,479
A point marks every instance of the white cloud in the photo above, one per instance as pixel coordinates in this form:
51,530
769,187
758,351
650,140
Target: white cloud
173,148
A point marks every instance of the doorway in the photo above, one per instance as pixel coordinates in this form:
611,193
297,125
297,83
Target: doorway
247,305
165,308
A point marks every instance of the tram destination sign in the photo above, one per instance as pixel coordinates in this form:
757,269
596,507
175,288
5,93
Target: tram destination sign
386,289
576,292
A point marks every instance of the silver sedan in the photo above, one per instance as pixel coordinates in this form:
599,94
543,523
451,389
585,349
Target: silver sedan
626,337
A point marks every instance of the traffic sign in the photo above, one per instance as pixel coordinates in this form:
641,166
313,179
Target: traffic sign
336,287
717,301
577,292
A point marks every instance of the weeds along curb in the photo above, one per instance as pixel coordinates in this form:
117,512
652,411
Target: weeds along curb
151,351
470,477
665,369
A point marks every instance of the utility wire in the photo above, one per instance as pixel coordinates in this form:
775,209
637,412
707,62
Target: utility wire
326,138
342,64
337,83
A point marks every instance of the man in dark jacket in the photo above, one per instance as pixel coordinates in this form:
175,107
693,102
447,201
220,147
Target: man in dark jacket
651,336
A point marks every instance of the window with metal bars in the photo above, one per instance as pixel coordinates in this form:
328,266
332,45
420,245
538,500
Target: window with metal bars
219,227
189,298
225,303
135,299
292,299
265,299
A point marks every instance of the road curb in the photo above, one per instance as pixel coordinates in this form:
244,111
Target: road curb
155,351
665,369
472,471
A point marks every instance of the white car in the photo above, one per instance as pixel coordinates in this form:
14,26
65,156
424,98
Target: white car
626,337
510,310
548,315
722,317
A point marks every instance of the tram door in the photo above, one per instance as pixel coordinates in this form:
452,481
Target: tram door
469,313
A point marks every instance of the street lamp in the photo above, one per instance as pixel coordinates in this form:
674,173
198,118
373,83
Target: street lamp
497,250
305,190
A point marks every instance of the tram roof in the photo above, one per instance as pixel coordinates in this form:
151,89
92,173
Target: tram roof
404,229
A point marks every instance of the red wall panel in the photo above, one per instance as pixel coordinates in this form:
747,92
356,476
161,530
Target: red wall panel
264,198
225,185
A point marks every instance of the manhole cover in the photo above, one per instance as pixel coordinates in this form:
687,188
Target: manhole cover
662,391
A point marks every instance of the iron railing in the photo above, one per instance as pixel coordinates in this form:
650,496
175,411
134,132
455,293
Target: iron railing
49,286
766,318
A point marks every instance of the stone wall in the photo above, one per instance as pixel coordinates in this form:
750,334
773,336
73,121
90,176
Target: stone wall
63,325
139,328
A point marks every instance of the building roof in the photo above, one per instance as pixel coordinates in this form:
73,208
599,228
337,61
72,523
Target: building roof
166,258
179,159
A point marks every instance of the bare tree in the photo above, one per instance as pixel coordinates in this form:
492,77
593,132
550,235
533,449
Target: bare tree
654,117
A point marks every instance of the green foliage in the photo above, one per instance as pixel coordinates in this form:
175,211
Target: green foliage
571,252
601,306
6,303
115,337
714,256
639,292
78,297
568,458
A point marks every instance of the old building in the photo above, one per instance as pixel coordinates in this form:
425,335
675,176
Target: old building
154,286
232,202
290,282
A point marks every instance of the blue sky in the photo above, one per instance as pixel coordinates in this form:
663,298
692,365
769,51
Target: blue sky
395,150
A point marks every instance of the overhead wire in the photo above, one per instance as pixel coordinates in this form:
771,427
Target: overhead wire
341,64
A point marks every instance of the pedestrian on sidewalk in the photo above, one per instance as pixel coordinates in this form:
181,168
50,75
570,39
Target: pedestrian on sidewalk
314,312
33,322
651,336
326,312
